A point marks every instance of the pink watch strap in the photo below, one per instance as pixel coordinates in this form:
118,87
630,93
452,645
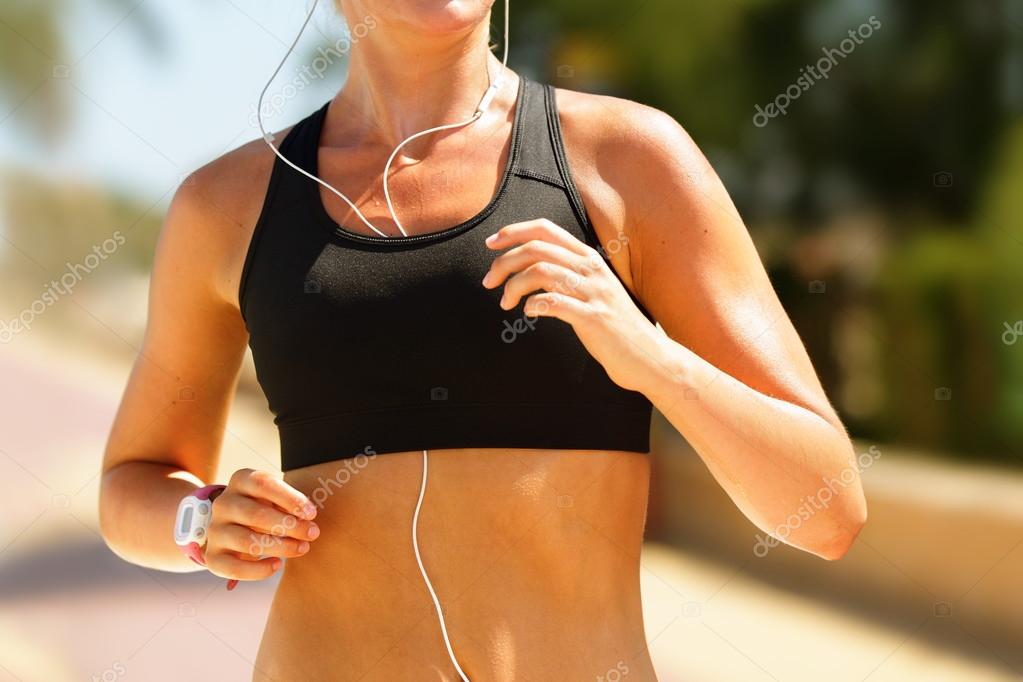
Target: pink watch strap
205,492
193,550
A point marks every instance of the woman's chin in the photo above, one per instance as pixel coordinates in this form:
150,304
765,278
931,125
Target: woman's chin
439,16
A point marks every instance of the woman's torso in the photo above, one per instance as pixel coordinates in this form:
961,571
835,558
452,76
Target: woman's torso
534,553
534,556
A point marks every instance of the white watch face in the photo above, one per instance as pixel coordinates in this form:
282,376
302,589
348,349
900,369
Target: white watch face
192,521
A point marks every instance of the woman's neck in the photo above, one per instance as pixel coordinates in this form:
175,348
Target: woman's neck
399,83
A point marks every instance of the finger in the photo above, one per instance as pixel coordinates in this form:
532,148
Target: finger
226,565
253,543
259,515
543,229
565,308
265,485
521,257
546,277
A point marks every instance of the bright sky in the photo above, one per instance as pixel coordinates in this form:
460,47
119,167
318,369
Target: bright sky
144,117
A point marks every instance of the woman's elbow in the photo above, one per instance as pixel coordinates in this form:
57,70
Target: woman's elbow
846,525
109,523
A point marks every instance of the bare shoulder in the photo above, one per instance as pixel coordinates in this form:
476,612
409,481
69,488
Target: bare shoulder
213,214
633,165
630,149
613,120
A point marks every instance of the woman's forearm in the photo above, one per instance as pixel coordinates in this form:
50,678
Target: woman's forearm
137,509
776,460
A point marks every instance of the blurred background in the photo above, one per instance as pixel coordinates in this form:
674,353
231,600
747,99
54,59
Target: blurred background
875,150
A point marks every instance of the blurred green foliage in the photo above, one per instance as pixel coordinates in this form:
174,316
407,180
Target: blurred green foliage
894,184
886,201
58,220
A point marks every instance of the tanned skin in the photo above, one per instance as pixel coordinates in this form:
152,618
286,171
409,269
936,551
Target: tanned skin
534,553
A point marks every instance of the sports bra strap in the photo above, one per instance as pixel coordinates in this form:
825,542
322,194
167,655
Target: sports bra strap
536,156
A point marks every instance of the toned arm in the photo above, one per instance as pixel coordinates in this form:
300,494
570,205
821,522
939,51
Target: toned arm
167,434
732,375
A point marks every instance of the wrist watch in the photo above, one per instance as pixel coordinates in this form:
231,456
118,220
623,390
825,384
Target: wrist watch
193,521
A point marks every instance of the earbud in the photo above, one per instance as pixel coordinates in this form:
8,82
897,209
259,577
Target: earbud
488,96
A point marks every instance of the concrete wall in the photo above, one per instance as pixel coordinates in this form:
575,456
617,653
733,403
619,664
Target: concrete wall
943,539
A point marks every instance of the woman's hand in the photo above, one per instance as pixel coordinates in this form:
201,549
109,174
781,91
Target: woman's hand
577,286
258,520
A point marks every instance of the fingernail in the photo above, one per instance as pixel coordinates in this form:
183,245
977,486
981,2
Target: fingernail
491,239
314,531
276,563
309,510
303,547
486,279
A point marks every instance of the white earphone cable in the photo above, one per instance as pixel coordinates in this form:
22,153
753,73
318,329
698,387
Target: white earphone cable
269,139
484,103
426,578
488,96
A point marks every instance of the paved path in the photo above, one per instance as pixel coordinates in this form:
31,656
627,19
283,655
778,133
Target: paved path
70,610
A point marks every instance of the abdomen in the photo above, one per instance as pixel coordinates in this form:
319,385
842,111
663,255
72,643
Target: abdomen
534,555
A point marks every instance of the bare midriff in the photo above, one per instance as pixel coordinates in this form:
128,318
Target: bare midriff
534,555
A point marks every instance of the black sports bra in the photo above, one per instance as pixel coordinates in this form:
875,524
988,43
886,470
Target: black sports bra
373,344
